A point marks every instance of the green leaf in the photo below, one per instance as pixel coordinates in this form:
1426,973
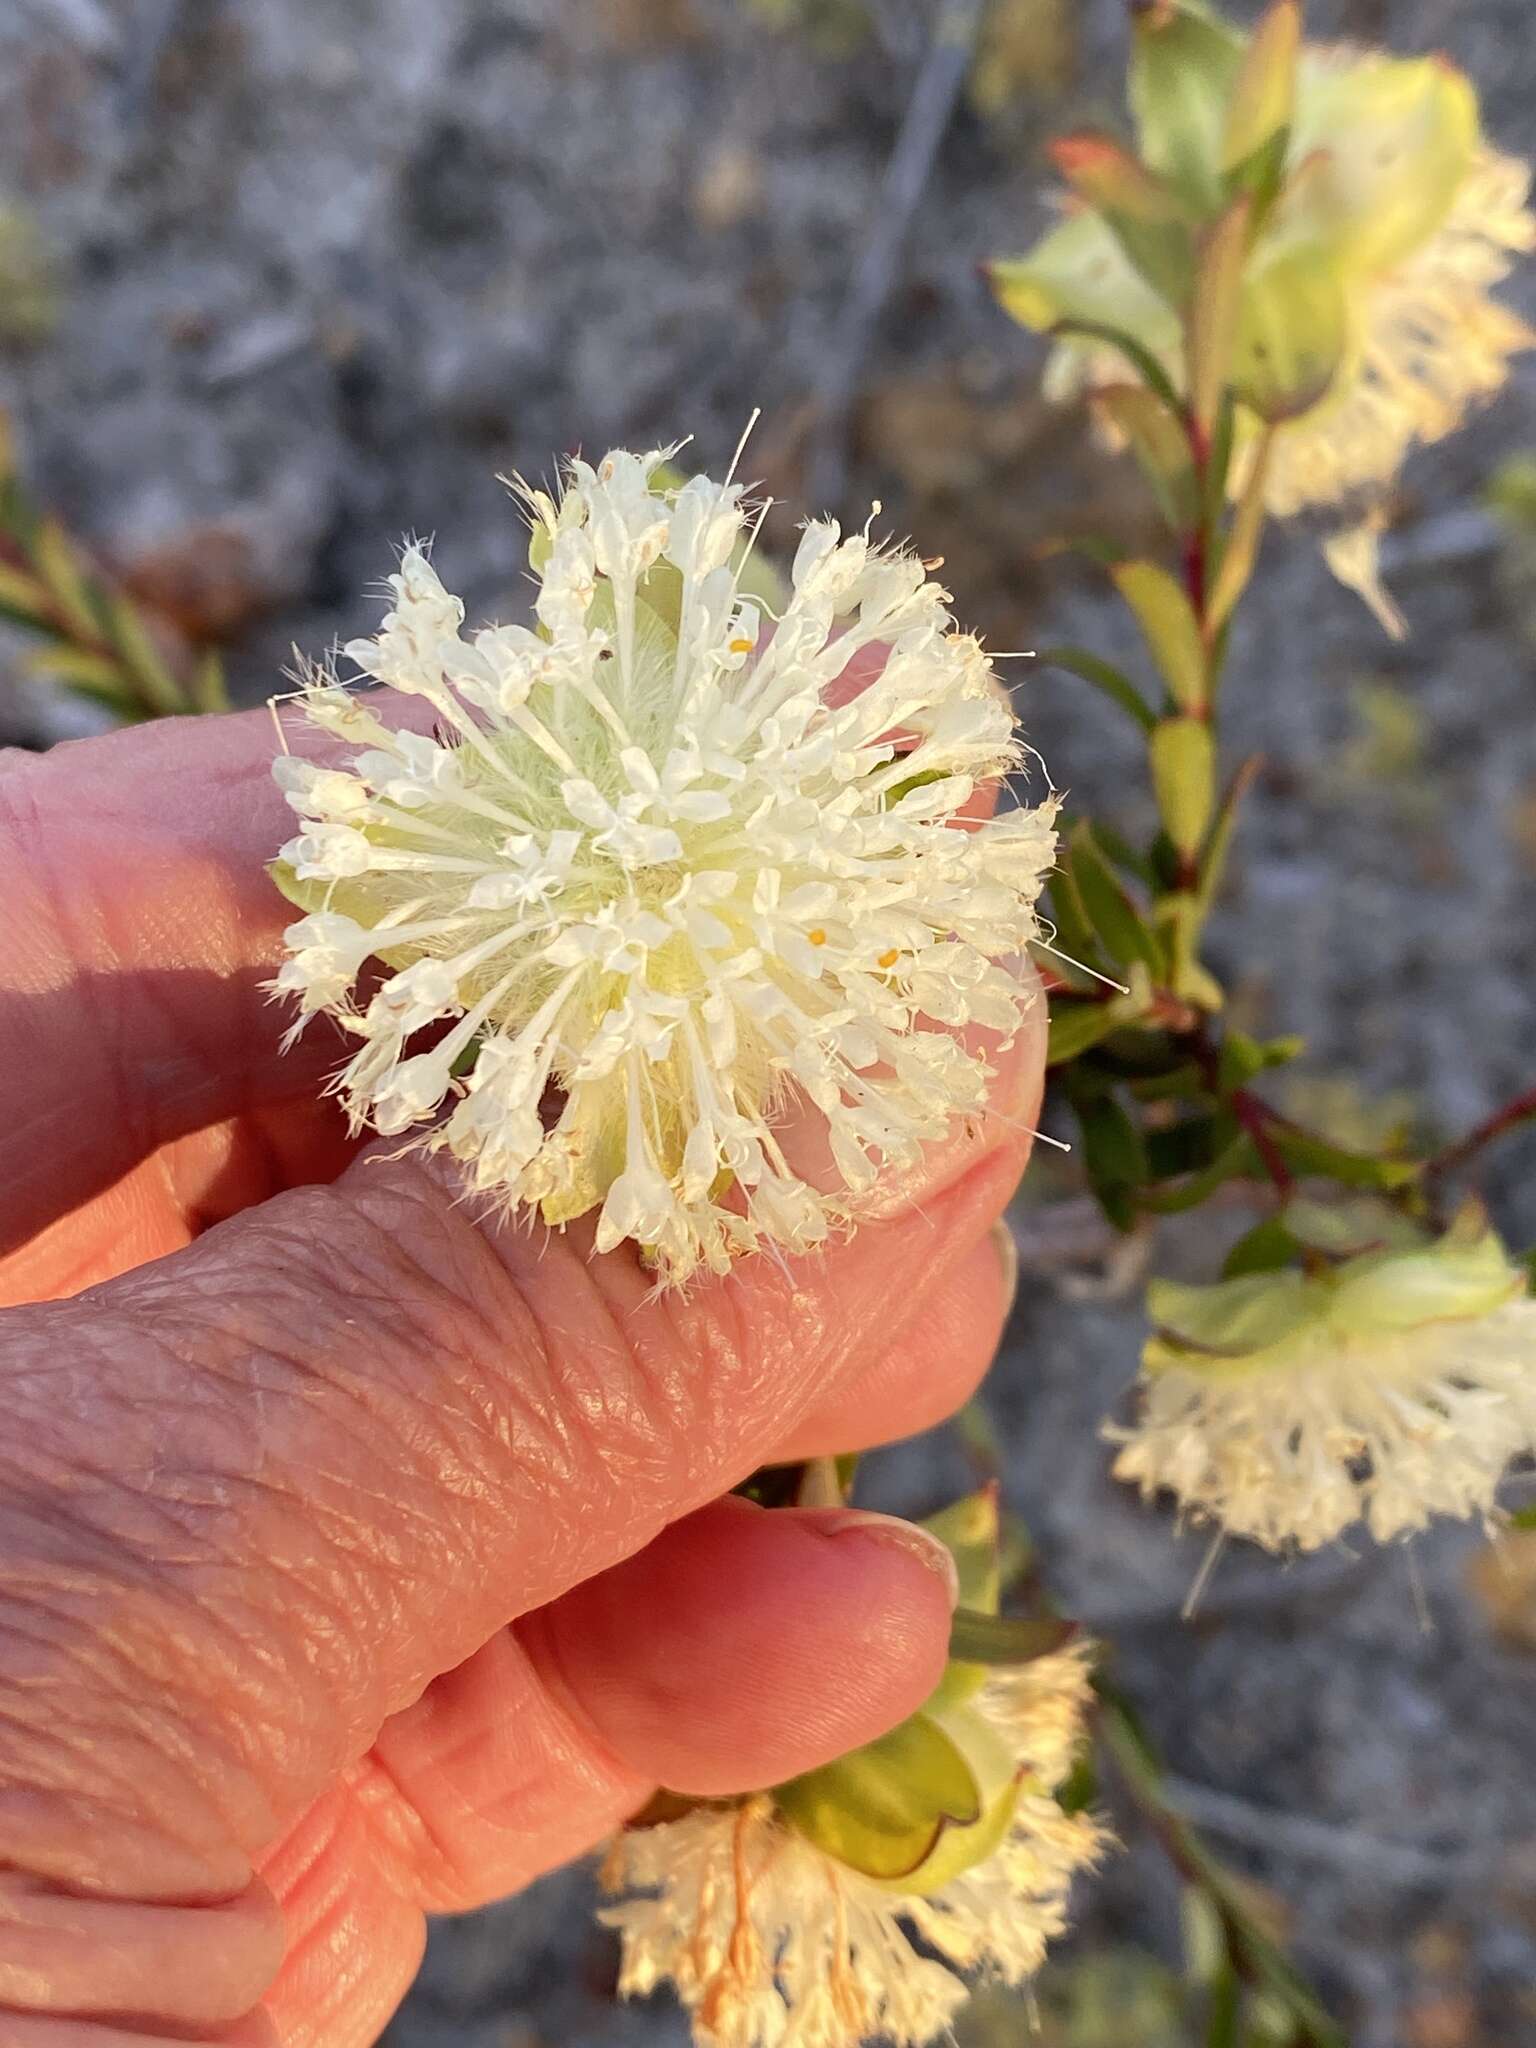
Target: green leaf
1004,1639
1109,909
1080,274
1241,548
208,687
1384,146
1264,1249
1523,1518
1103,173
1305,1153
1224,2011
59,567
1075,1028
79,669
1183,68
1179,924
1069,922
1188,1146
22,598
157,686
1216,310
1113,1148
1119,851
1264,90
1157,439
1169,626
1151,371
1183,760
1236,1162
882,1809
1103,675
1219,846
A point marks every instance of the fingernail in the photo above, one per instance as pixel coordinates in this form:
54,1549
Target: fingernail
1008,1259
902,1535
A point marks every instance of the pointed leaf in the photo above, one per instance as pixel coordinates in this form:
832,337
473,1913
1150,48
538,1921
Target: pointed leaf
1183,759
1264,1249
1242,546
1103,675
1169,626
1264,91
1214,865
22,598
1075,1028
59,567
1110,911
1104,173
1183,68
1157,439
1216,309
158,687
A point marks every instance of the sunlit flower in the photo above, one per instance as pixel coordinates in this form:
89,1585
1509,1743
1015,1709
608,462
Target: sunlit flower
771,1943
1286,1406
652,880
1395,221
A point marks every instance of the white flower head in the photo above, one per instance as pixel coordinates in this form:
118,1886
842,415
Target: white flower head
657,877
1286,1407
772,1943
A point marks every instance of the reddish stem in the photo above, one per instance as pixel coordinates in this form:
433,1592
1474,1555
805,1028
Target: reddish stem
1518,1110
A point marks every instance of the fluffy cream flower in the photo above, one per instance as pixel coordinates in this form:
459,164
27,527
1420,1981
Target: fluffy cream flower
1285,1407
659,873
770,1943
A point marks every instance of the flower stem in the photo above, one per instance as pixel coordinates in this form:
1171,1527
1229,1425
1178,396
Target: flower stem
1520,1109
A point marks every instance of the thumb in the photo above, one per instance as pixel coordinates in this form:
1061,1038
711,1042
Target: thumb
325,1453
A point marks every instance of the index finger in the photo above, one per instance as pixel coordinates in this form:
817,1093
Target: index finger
136,927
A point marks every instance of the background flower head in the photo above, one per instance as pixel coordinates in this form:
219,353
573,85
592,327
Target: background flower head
1390,1389
1380,220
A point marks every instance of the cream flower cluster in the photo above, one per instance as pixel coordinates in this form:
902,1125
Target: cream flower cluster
770,1943
659,872
1398,1389
1414,219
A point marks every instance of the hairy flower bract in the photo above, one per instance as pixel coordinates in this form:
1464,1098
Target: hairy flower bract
655,870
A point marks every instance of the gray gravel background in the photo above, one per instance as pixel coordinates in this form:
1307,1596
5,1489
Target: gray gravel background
323,267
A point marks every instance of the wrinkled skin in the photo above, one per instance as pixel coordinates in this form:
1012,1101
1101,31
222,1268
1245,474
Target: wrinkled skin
359,1559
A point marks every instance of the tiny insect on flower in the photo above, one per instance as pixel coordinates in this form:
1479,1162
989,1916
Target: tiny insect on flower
655,881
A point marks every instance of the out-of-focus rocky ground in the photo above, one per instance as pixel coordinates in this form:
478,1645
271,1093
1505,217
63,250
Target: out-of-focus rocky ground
316,270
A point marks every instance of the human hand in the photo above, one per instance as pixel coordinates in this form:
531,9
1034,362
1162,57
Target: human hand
360,1560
